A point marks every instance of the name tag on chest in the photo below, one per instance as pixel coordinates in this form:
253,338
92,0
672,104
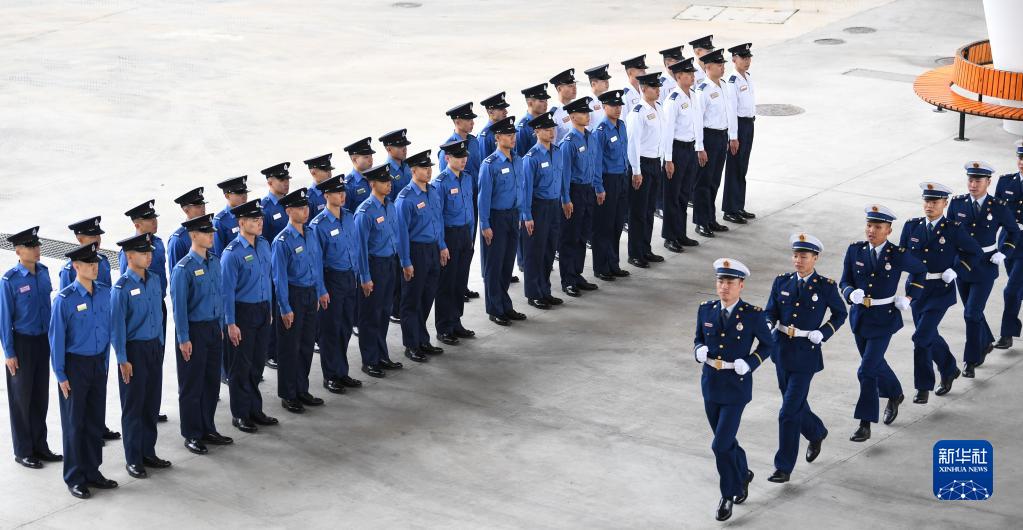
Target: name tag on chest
685,106
505,170
714,95
136,291
380,219
250,257
234,230
421,205
582,148
82,307
614,139
545,164
200,272
335,231
454,191
277,216
299,250
24,288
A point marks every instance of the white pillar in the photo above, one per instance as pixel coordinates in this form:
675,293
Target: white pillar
1003,18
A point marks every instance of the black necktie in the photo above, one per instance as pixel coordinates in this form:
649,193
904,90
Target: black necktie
724,317
930,230
799,288
873,258
976,208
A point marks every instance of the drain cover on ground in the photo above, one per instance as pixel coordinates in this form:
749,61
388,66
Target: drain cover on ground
829,41
778,109
859,29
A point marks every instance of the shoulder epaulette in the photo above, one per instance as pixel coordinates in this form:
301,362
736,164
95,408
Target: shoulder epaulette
732,79
119,284
638,108
673,96
702,86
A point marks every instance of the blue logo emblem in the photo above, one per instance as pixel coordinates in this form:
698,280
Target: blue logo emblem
964,470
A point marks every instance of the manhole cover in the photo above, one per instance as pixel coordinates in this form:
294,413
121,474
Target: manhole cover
407,5
944,60
859,29
829,42
778,109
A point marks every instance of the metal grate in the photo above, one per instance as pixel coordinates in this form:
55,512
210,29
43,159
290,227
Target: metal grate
51,248
829,42
778,109
859,29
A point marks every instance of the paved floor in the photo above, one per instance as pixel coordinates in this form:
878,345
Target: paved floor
586,416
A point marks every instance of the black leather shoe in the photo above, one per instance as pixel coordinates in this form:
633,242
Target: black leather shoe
271,364
30,462
621,273
430,349
572,291
79,491
388,364
48,456
500,321
447,338
514,279
162,418
155,462
553,300
653,258
349,382
636,262
862,434
687,241
813,449
514,315
946,384
102,483
215,438
463,333
110,435
724,509
293,406
674,246
471,294
891,410
745,488
395,319
310,400
921,397
539,304
244,425
1004,343
414,355
587,286
465,298
734,218
260,418
704,231
334,386
778,477
747,215
968,371
136,471
605,276
717,227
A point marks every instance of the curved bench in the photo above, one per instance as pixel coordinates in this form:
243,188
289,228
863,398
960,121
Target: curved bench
971,70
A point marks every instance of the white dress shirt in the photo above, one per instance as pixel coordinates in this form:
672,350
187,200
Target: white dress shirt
678,119
713,110
742,94
645,136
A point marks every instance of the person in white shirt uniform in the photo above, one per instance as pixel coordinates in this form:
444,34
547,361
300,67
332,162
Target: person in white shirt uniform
701,46
598,85
634,68
671,56
743,99
680,165
716,135
564,84
646,157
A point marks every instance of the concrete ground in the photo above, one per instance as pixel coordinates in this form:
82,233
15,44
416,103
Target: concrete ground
586,416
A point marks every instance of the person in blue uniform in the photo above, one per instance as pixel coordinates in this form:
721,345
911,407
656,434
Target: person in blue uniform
377,225
79,334
356,185
536,104
320,168
458,211
797,305
541,212
278,180
983,216
422,251
198,309
396,144
463,118
723,344
137,337
945,247
298,279
582,190
609,217
870,279
645,124
497,110
500,186
236,192
193,204
245,274
333,232
24,320
1010,190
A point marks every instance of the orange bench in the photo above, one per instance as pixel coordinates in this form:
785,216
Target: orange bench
971,70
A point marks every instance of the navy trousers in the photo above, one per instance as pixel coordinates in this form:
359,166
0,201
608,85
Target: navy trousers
199,380
28,396
795,418
419,293
877,380
82,417
454,279
248,358
500,265
608,221
641,208
708,177
978,333
399,278
736,167
728,454
678,190
140,399
572,244
930,347
541,246
1012,295
336,322
375,309
271,349
295,344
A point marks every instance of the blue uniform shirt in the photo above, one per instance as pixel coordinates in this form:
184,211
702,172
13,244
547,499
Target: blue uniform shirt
419,219
457,195
196,292
317,202
157,267
68,274
295,262
274,216
994,216
949,246
79,324
377,223
488,144
357,190
542,178
804,308
473,161
878,281
500,179
178,246
24,304
613,141
245,272
728,342
226,225
580,161
135,312
401,175
524,135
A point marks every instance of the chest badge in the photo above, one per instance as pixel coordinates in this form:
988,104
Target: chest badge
941,240
814,297
887,266
989,217
738,327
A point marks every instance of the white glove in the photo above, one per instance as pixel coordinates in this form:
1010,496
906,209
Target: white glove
701,354
997,258
741,367
815,337
949,276
902,303
856,296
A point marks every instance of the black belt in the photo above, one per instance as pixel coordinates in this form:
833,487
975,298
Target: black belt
716,131
649,159
683,143
750,118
